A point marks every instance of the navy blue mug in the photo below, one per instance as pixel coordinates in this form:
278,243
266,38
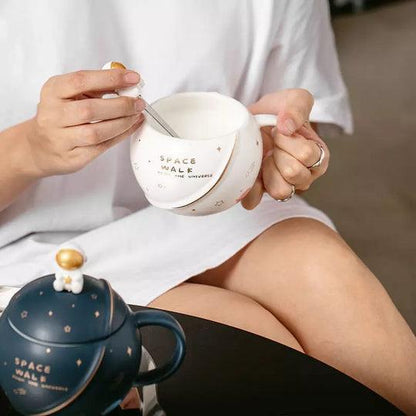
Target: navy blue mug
76,354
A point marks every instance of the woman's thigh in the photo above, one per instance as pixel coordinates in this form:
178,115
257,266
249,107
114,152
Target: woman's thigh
308,277
227,307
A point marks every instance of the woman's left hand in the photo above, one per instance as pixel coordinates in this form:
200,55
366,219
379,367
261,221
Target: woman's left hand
289,150
132,400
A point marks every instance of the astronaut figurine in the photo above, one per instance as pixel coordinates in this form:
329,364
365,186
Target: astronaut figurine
70,258
133,91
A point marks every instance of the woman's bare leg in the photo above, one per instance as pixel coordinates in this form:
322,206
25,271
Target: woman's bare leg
224,306
312,282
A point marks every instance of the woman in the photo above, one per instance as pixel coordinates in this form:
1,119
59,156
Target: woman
277,269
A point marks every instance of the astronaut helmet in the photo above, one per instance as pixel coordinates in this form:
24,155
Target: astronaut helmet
70,256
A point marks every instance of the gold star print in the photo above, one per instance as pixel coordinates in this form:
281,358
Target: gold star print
219,148
79,362
97,314
67,280
129,351
50,313
67,329
24,314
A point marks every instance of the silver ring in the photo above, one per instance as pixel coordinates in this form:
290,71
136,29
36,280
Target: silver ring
321,157
288,197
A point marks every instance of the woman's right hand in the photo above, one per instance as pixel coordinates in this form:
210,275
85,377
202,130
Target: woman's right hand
74,125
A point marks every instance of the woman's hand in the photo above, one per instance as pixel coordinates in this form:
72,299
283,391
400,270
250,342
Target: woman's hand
132,400
74,125
289,150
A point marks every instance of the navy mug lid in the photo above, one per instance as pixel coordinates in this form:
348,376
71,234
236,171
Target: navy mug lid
39,312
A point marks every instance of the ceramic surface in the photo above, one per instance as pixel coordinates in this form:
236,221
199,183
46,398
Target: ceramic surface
213,164
76,354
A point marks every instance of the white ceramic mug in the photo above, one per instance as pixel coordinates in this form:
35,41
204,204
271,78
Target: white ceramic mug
213,164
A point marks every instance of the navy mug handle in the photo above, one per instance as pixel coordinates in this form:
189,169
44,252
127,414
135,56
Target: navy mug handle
160,318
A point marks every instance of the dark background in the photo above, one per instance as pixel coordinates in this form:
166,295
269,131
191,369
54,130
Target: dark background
369,190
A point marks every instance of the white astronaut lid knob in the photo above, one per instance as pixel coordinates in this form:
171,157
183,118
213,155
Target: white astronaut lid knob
69,259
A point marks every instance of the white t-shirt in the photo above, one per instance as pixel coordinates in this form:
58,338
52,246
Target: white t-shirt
242,48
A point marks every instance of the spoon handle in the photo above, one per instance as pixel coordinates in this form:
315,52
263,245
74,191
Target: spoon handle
156,116
135,91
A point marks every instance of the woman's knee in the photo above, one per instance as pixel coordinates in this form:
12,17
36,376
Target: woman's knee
328,278
316,260
301,267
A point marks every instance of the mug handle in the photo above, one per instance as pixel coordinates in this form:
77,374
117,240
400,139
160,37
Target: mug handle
160,318
266,119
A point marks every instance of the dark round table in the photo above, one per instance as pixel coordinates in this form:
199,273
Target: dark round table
232,372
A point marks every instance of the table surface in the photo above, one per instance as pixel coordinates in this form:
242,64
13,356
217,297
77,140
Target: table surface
227,371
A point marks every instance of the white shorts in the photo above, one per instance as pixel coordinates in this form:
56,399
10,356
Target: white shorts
151,251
